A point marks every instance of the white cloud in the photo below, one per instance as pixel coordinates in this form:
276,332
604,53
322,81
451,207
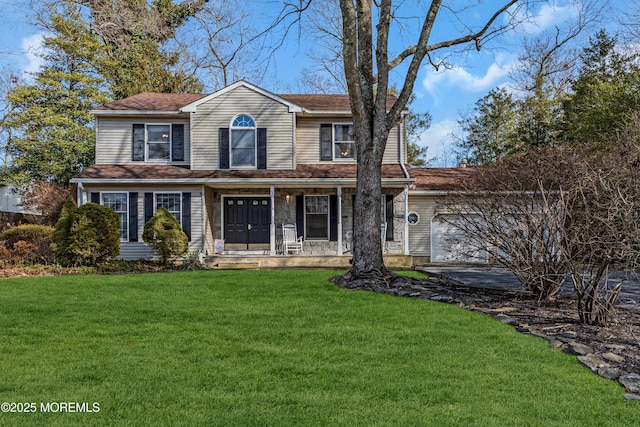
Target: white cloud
438,133
551,15
32,47
460,78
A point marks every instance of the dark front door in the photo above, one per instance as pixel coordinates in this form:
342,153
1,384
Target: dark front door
247,220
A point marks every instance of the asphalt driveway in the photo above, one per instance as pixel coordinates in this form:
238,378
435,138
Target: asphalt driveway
493,276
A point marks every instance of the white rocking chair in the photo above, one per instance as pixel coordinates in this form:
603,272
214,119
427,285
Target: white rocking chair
290,239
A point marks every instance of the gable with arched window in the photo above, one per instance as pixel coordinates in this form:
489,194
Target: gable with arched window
243,145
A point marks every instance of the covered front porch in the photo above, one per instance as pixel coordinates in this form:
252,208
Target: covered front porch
248,222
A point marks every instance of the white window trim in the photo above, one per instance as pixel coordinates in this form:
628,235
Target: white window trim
333,143
146,143
155,202
317,239
255,141
126,238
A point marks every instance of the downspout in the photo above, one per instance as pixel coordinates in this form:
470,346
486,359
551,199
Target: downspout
81,194
406,220
401,147
272,225
406,187
203,227
339,220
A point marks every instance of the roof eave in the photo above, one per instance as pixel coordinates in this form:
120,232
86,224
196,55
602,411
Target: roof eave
134,112
280,182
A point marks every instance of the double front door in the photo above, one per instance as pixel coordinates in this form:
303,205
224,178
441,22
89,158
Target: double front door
247,220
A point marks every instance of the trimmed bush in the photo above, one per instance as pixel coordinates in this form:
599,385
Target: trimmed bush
164,234
62,233
94,234
37,237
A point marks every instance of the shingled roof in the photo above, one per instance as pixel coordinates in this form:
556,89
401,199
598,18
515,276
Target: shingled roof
321,102
149,101
154,172
440,179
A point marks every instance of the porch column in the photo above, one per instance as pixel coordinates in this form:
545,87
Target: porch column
339,220
272,233
406,220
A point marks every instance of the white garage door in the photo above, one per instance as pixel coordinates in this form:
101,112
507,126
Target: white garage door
448,244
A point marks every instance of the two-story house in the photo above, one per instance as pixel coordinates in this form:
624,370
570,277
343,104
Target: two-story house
235,165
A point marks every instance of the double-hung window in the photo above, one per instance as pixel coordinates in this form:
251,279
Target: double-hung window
243,142
343,143
316,210
171,202
119,203
159,142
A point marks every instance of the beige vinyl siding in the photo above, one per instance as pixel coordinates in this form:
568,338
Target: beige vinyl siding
308,140
420,234
137,250
218,112
113,145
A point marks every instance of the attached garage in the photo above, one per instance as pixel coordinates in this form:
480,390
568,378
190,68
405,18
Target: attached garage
430,237
449,244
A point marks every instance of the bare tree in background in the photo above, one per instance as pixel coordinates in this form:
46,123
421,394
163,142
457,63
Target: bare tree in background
7,81
223,42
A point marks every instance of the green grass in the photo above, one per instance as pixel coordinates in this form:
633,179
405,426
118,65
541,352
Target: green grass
278,348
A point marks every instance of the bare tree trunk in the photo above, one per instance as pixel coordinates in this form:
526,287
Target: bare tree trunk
366,29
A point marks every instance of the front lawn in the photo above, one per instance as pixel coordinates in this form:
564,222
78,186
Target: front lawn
277,348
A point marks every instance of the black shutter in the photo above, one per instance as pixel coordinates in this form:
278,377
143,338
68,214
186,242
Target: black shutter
148,206
177,142
223,147
186,214
137,143
262,148
389,214
95,198
326,142
133,217
333,218
300,215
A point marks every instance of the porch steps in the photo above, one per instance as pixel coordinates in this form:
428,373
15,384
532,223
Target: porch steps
237,265
228,262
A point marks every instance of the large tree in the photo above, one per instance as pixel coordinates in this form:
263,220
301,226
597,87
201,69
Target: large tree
368,61
489,132
606,93
53,136
136,37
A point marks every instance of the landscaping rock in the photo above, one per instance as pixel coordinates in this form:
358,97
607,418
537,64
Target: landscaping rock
631,382
440,298
610,373
612,357
592,362
580,349
507,320
630,396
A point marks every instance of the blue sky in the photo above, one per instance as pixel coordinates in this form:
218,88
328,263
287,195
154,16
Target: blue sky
444,93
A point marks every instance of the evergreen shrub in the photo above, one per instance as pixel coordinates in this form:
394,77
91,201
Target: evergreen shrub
94,234
164,234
